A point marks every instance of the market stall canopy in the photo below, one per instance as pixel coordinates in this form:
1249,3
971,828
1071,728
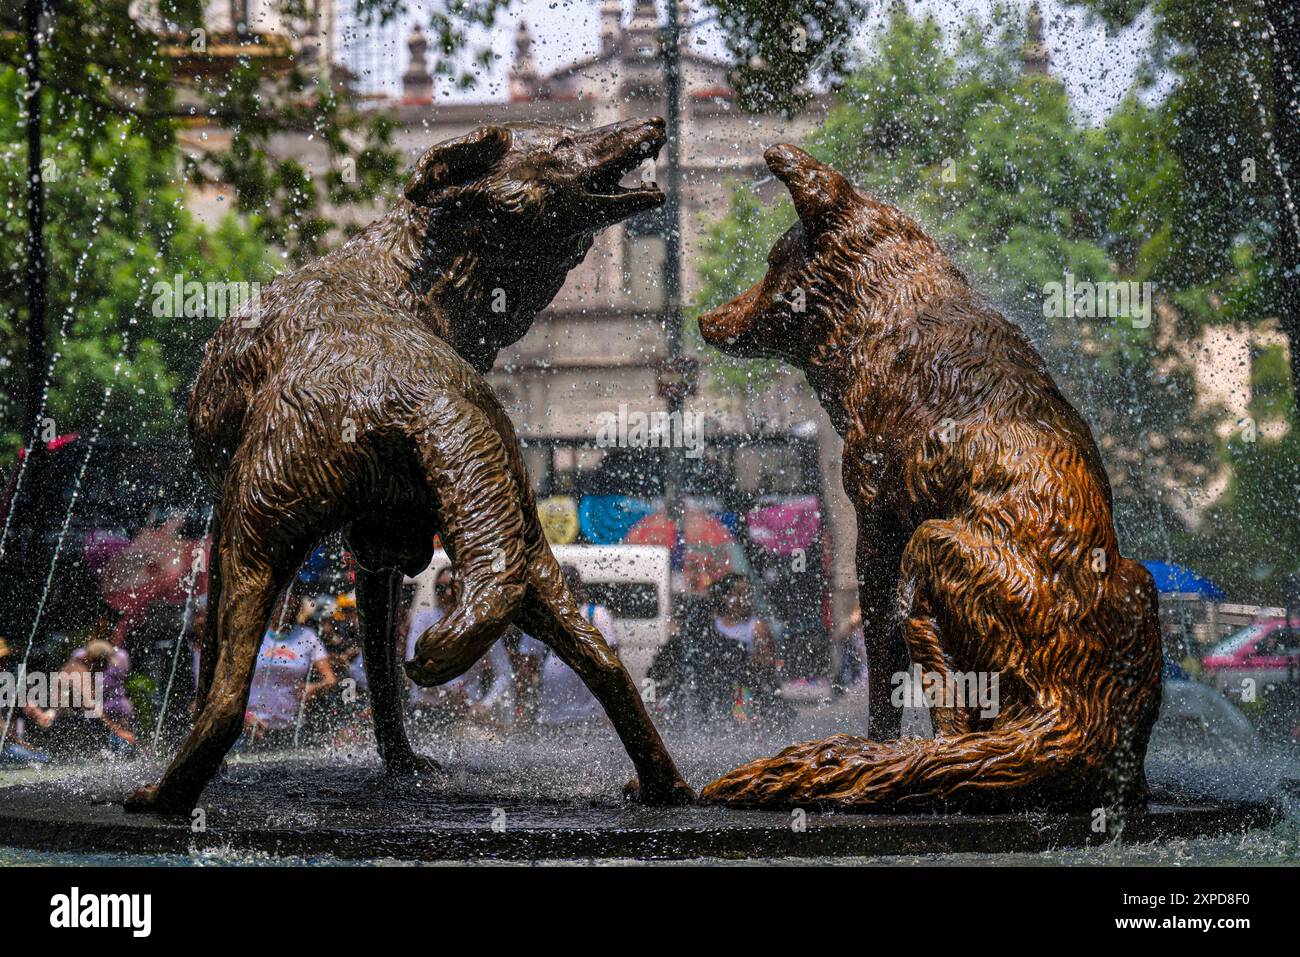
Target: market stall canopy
1172,579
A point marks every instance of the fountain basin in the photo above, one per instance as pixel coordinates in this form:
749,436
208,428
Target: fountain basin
314,808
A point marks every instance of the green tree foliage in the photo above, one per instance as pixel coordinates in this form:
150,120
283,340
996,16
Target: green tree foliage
117,227
1220,235
119,81
778,45
1210,131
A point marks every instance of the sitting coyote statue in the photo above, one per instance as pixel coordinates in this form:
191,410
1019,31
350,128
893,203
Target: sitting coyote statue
985,539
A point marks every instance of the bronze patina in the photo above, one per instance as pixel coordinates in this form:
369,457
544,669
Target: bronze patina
349,396
985,536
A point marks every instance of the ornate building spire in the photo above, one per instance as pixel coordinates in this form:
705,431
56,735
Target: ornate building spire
525,81
417,84
642,39
1034,55
611,26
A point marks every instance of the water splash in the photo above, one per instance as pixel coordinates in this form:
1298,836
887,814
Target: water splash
186,618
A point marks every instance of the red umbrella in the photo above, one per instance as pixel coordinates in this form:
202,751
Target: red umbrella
153,569
707,539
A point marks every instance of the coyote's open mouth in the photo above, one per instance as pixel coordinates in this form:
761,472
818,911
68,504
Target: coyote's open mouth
622,149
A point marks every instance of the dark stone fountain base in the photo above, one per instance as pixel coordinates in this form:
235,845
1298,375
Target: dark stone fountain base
314,809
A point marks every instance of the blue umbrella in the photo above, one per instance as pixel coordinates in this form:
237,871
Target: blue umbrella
1175,579
606,519
316,565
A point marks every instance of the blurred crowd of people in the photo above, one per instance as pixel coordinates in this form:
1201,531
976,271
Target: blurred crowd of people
309,688
89,712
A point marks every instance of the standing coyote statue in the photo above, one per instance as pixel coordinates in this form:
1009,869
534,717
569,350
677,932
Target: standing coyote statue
349,396
985,539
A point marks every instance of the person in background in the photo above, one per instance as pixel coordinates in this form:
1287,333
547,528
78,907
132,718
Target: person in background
110,715
562,698
345,716
115,664
336,621
734,620
849,656
346,626
14,749
697,670
82,717
473,696
283,683
420,620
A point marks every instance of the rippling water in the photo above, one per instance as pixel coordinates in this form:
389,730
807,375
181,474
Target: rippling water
582,772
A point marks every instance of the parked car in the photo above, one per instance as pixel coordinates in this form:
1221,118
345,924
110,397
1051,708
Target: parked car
1258,656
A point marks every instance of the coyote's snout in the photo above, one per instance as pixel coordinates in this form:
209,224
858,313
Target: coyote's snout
346,397
985,538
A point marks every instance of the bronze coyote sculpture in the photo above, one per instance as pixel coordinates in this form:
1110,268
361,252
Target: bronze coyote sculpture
985,538
347,397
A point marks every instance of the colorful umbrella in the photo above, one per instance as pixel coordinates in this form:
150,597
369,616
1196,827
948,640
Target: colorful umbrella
707,543
152,570
785,527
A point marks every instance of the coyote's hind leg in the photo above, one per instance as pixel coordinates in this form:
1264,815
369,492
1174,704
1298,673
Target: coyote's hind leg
471,475
554,617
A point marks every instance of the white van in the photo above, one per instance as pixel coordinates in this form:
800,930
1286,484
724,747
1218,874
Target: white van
632,581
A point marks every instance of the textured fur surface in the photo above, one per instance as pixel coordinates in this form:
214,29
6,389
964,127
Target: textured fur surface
348,396
985,535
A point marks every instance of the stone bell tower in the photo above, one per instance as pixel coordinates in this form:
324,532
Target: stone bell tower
1033,55
525,81
417,84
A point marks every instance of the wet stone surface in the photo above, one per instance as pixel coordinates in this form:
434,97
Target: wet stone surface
518,800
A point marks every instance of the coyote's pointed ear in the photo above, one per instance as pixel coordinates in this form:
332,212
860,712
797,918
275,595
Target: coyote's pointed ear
457,162
815,188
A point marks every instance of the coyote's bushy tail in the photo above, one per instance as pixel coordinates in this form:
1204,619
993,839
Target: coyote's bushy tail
1084,752
1029,761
